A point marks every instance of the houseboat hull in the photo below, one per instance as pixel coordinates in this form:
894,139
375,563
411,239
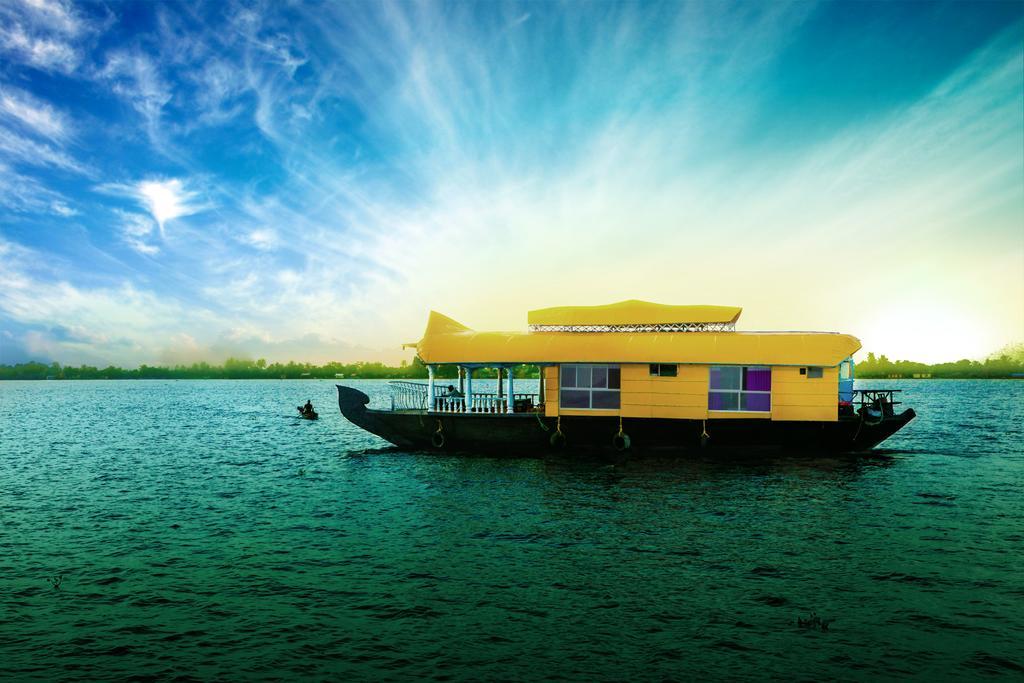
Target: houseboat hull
532,434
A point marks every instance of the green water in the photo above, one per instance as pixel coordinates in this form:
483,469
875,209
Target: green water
203,532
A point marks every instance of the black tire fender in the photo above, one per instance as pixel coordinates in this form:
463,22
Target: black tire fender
621,442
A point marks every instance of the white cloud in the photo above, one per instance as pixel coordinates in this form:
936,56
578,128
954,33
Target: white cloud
264,238
22,193
39,51
167,200
62,209
43,34
33,114
56,15
136,79
18,148
135,228
119,323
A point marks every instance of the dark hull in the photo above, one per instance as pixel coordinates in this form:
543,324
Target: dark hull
530,434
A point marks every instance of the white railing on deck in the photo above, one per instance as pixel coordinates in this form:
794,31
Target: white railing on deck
414,396
483,403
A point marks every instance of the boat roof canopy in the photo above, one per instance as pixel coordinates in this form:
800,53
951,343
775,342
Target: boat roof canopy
632,312
446,341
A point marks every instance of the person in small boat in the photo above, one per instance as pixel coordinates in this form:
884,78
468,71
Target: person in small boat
307,409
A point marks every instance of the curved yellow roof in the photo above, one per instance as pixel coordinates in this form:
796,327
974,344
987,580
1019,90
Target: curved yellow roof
632,312
447,341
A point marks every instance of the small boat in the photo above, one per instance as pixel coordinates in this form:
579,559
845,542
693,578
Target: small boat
634,377
310,415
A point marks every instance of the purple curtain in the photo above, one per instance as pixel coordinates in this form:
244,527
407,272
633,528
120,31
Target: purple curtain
757,402
757,379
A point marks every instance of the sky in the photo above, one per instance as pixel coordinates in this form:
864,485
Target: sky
184,181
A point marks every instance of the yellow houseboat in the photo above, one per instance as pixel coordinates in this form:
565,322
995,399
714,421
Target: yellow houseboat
633,376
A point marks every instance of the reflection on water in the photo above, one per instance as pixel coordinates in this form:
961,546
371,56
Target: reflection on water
199,529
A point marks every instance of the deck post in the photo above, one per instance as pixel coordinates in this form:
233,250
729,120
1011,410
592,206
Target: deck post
430,387
469,390
540,385
501,386
511,392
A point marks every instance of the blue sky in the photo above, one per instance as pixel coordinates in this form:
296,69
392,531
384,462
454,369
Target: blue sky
186,181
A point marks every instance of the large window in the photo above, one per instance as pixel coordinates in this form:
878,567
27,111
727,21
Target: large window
740,388
589,386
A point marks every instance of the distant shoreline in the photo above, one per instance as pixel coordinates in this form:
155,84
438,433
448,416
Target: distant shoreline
872,368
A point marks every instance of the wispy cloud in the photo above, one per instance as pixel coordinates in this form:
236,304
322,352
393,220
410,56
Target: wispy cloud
263,238
43,34
16,148
135,229
136,78
22,193
34,114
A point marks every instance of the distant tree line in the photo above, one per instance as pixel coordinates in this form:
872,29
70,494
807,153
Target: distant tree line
235,368
1008,363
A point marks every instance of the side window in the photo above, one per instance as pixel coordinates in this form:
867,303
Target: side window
664,370
736,388
815,373
846,370
590,386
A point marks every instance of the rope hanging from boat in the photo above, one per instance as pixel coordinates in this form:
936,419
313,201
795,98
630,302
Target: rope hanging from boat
557,439
620,441
541,422
704,436
438,439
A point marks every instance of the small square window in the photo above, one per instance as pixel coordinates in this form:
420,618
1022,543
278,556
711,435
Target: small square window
815,373
664,370
803,371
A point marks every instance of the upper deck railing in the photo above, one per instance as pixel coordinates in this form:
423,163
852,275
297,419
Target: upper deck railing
640,327
415,396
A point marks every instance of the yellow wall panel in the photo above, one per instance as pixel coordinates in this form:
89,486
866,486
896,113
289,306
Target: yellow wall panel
637,385
806,413
635,411
799,390
679,400
639,398
678,412
700,388
635,371
551,391
697,373
794,396
803,400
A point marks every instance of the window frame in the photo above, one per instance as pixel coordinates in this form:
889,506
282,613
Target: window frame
591,390
654,369
740,392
